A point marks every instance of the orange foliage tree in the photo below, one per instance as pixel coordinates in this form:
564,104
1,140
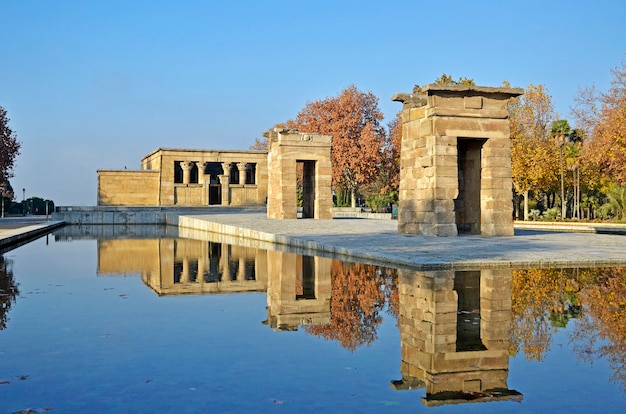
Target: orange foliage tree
354,121
605,119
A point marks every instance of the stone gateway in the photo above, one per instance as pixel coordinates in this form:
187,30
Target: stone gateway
455,166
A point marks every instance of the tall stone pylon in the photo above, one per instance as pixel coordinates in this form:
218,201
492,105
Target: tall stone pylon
455,162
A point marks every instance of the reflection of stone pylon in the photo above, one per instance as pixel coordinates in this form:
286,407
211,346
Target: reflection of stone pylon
457,358
298,291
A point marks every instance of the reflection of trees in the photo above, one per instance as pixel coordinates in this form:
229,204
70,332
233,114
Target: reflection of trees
545,299
601,331
359,294
8,291
542,301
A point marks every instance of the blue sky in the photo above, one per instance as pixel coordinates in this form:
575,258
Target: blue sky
95,84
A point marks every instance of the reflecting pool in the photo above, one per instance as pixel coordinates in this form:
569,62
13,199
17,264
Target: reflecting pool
154,321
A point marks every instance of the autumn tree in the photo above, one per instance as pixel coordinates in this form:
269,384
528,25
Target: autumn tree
354,121
601,117
260,144
532,153
9,147
608,133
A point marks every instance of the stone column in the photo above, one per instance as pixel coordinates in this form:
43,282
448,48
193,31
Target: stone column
241,274
186,166
224,181
201,175
242,172
184,275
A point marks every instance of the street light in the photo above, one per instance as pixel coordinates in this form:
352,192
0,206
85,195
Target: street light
23,198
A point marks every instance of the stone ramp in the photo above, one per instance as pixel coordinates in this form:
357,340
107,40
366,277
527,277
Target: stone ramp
377,241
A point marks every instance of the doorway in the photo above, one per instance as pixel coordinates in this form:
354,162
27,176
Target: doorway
467,204
306,181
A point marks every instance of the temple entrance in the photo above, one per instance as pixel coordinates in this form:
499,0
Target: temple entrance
467,204
213,171
215,194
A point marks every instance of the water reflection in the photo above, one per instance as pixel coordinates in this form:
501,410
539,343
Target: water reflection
458,329
8,290
455,330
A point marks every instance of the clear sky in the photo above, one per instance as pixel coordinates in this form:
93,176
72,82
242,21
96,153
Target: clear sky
96,84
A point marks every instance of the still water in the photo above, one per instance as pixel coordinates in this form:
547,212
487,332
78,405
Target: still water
92,322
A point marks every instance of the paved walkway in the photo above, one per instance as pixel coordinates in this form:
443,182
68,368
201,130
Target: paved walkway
378,241
15,231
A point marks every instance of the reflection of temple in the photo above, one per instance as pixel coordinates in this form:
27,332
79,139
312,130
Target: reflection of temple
454,330
298,291
179,266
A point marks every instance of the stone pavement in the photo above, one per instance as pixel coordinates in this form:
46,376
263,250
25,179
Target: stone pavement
377,241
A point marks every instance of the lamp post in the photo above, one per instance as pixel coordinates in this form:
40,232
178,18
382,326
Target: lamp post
23,201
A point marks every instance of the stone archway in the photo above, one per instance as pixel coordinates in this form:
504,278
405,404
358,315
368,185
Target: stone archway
455,162
288,148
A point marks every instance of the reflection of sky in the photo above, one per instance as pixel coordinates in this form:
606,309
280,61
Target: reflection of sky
90,343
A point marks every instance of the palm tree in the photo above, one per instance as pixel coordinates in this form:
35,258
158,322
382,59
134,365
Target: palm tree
562,135
616,202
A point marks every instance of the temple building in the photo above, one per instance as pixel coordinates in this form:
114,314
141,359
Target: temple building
183,177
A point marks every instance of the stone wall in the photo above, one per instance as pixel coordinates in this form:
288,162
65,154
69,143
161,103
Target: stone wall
128,188
455,167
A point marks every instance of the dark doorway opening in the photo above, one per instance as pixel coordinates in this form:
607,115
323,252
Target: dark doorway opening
306,181
467,205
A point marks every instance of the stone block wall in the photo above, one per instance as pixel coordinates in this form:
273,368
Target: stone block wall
128,188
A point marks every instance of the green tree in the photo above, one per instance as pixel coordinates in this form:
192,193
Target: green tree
9,147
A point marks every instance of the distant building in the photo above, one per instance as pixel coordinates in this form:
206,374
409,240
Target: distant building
181,177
